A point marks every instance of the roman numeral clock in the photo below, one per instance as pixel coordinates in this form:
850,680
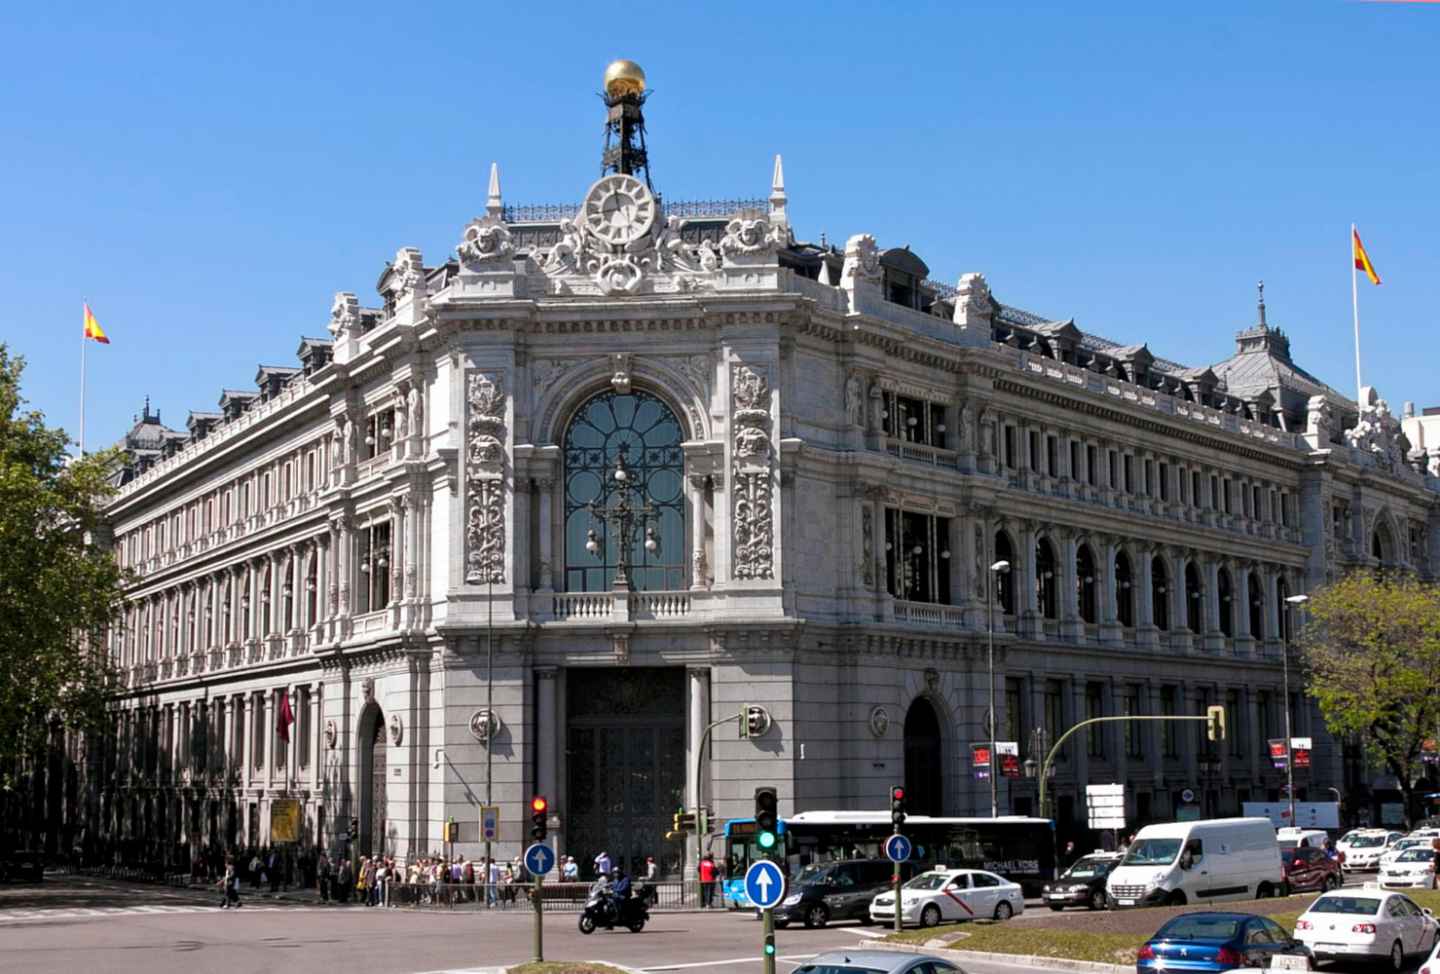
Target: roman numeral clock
619,210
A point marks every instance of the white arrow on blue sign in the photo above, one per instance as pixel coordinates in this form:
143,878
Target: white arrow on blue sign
897,848
764,884
539,859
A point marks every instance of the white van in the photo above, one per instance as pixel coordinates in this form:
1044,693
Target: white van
1298,837
1198,862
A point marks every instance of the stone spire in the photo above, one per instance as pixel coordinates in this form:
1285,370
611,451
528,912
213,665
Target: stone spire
778,215
1263,326
493,206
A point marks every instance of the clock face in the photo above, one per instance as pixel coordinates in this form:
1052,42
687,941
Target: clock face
619,209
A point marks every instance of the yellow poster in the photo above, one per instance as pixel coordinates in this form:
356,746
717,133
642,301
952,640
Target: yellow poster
285,820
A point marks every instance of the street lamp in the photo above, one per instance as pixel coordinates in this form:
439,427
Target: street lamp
1291,604
992,581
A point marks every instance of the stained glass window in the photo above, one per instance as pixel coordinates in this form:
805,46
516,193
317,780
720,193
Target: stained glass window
645,431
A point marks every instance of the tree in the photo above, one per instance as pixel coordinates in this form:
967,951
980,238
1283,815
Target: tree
1372,649
59,592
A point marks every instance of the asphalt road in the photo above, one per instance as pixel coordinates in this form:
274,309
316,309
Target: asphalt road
70,925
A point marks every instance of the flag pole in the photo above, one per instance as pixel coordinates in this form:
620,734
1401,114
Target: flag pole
1355,311
84,304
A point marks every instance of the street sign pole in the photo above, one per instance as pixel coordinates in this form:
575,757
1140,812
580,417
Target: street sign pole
539,920
768,947
765,886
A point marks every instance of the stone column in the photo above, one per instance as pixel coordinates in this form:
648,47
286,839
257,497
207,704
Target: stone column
1109,594
547,727
699,718
962,570
1144,578
1251,704
1081,742
1066,577
1023,573
1214,639
316,741
695,499
249,776
546,487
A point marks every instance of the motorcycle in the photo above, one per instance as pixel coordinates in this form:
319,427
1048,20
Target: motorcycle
603,910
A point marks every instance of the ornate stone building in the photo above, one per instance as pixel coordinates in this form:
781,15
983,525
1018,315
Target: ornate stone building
557,503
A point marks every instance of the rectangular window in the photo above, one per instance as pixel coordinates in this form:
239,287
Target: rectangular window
1095,733
915,570
374,565
1226,495
1052,456
1114,465
1169,740
1195,488
1164,481
1091,455
1130,703
1265,703
1129,473
1055,714
1009,443
1214,493
1074,459
1034,440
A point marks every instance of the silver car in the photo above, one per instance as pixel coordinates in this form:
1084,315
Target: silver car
876,962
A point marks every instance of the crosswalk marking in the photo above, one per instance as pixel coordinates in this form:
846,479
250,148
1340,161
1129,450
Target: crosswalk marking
91,913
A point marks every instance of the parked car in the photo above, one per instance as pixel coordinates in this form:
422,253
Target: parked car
1182,862
1216,942
826,891
1366,924
876,962
24,865
1309,868
1363,848
1413,868
1083,884
1409,842
951,894
1431,964
1295,837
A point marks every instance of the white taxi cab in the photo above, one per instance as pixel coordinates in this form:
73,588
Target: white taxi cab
951,894
1413,868
1409,842
1363,848
1368,923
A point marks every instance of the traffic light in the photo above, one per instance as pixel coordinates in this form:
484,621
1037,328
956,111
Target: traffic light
766,824
452,831
539,809
702,821
770,945
897,806
1215,722
754,720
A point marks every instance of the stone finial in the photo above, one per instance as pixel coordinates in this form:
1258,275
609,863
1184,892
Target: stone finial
778,215
493,205
1261,287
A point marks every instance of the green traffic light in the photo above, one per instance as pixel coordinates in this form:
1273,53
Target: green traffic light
769,950
765,840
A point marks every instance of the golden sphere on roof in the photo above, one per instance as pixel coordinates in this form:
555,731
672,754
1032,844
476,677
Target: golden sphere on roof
624,77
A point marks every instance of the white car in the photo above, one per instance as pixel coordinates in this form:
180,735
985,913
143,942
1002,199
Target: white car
1363,849
1414,868
1409,842
1367,923
951,894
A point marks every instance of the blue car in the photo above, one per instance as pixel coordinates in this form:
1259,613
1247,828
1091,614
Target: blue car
1216,942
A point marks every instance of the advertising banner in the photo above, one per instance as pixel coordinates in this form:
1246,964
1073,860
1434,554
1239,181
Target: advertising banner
285,821
980,761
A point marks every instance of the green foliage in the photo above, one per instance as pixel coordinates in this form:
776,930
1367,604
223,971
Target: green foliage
1372,649
58,591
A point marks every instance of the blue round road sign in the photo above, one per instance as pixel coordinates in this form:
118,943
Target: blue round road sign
897,848
764,884
539,859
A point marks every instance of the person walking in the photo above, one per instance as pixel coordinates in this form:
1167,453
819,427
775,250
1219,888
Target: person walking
492,882
707,872
230,884
325,875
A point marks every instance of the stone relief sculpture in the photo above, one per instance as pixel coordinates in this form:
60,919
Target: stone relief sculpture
344,315
485,479
749,237
407,271
862,260
1378,432
753,527
987,432
1318,419
964,434
854,401
972,301
485,241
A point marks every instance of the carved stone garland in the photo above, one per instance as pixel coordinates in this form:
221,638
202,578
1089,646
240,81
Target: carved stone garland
485,476
753,528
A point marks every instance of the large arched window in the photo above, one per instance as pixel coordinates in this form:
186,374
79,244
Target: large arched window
1004,590
1160,592
1124,591
1227,602
1193,592
641,433
1045,579
1085,583
1257,606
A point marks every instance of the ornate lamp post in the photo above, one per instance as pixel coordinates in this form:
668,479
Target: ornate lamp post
628,509
993,581
1291,604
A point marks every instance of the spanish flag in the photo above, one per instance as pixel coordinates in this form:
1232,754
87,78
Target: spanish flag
92,327
1362,259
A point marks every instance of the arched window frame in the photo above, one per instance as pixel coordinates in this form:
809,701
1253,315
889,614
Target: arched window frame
1124,589
1086,585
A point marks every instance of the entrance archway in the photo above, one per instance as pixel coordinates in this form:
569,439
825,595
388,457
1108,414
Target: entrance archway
924,777
373,772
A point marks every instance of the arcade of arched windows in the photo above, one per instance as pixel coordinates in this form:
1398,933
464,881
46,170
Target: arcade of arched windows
1068,584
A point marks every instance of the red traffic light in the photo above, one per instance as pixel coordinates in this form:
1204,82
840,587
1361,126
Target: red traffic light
897,794
538,804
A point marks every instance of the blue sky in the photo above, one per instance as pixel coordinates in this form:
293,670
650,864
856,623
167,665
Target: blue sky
208,176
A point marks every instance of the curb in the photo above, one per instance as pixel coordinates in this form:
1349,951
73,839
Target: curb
1015,960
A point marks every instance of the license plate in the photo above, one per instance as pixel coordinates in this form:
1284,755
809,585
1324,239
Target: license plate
1126,902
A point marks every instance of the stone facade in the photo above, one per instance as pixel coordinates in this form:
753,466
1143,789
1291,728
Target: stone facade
391,536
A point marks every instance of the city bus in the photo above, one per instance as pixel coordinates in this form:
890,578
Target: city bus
1019,848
